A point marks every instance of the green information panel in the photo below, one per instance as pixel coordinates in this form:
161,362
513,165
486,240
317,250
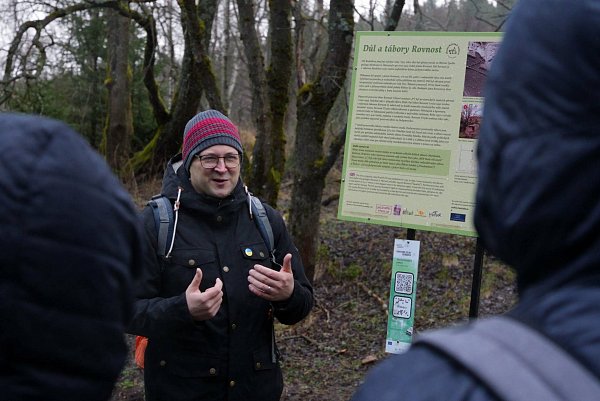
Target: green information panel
416,105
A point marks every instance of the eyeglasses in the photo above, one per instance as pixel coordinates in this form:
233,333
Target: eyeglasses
231,160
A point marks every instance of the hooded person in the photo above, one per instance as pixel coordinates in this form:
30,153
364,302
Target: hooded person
71,245
207,307
537,200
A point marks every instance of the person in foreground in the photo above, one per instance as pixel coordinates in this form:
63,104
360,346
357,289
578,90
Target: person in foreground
538,196
207,307
71,246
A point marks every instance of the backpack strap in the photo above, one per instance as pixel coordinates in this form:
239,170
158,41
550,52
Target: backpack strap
164,221
259,214
516,362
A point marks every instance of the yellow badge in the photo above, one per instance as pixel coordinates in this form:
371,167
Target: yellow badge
248,251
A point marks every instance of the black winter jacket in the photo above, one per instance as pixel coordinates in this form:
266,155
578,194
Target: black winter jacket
70,240
233,355
538,196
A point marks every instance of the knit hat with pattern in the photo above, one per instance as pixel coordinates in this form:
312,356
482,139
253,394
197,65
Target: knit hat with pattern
207,129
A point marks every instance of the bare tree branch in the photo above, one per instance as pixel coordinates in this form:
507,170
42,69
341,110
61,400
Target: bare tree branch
146,21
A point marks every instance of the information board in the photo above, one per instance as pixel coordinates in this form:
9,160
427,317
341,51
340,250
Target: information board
415,110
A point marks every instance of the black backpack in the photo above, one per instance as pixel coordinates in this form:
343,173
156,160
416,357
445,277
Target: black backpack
514,361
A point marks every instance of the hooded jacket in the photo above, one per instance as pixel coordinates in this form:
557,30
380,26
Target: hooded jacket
233,355
70,242
538,195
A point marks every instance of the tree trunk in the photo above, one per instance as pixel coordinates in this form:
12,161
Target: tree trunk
278,77
394,15
196,78
260,107
119,125
315,100
227,39
269,94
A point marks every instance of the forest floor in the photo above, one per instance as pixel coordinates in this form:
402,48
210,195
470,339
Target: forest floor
326,356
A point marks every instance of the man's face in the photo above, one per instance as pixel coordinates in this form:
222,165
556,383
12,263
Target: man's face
220,180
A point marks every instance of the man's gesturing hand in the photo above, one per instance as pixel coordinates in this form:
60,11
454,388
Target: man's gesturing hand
270,284
203,305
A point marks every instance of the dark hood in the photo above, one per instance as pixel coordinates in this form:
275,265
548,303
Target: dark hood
70,245
538,195
170,181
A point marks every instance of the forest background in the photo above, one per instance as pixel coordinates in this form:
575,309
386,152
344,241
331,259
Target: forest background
128,75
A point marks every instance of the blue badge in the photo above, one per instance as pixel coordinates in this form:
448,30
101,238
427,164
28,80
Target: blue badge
248,252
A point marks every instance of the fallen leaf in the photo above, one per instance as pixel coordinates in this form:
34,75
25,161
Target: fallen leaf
368,359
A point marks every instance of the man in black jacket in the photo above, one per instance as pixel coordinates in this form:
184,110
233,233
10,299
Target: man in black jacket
538,195
70,241
207,308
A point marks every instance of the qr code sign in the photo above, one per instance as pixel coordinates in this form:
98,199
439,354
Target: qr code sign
402,307
404,283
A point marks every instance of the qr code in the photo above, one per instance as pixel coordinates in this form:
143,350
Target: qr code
404,283
402,307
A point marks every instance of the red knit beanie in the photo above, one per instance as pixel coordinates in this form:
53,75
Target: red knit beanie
207,129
